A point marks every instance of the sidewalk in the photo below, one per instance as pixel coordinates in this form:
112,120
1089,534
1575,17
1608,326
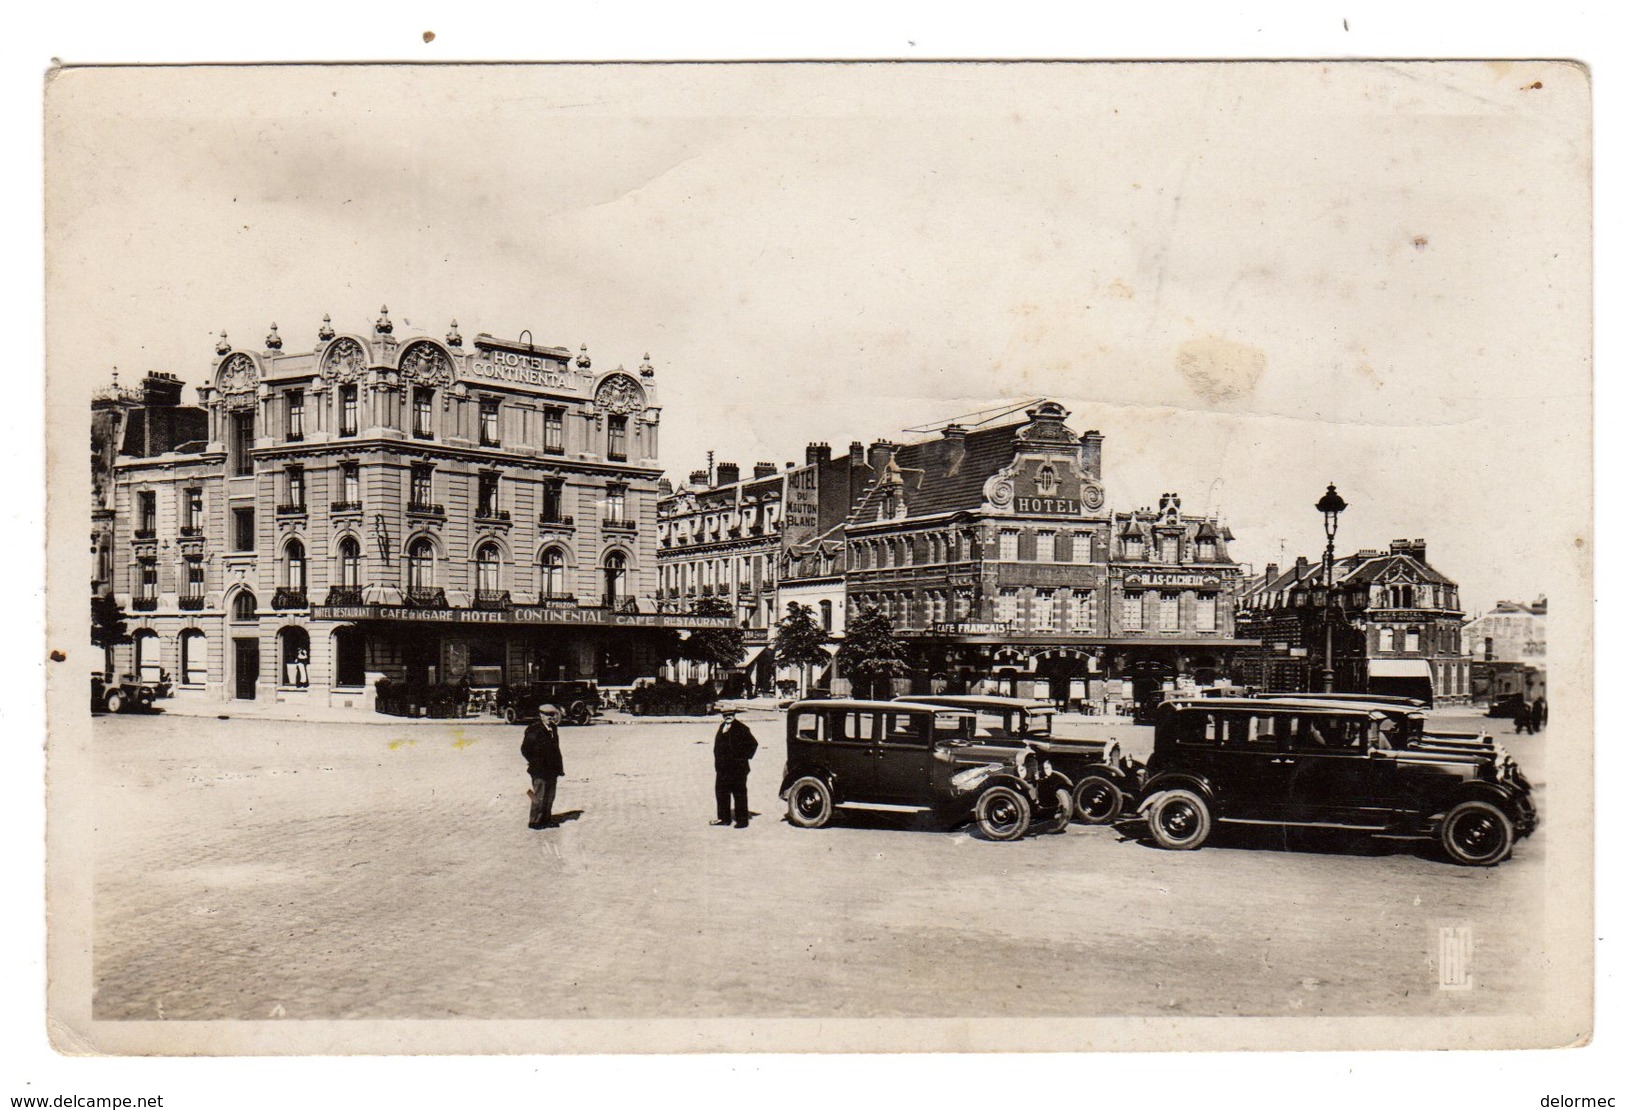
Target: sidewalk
759,709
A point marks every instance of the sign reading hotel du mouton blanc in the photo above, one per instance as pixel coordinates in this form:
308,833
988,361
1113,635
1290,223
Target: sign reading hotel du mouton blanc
521,369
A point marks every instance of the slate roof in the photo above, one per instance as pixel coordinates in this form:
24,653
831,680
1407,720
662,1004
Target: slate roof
938,487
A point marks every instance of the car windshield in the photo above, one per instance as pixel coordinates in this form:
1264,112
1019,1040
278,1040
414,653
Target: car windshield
954,726
1039,721
994,725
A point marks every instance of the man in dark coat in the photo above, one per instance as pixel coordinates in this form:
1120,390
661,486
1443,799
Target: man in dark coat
733,749
544,763
1521,718
1537,715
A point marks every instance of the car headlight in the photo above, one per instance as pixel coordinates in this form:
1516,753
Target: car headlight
1024,767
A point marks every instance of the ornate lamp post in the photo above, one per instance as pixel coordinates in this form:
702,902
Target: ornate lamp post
1329,507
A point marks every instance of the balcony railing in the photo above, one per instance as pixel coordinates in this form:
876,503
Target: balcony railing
493,516
191,603
492,599
426,597
286,597
556,520
346,507
292,508
617,524
146,533
344,595
191,532
425,508
144,604
558,601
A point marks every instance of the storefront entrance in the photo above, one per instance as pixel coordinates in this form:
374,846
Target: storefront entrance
246,653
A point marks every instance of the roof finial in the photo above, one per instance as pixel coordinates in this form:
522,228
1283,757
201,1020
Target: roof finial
221,347
273,342
647,370
583,360
326,331
454,338
382,325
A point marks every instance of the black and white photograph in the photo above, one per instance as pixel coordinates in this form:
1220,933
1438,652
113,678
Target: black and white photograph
819,557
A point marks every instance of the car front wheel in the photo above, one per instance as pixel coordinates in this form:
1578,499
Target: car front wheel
1096,800
1477,834
811,803
1003,813
1180,820
1063,811
115,701
510,714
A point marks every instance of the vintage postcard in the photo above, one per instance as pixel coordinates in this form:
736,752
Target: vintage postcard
857,557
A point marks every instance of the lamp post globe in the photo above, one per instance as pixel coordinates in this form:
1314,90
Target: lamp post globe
1329,506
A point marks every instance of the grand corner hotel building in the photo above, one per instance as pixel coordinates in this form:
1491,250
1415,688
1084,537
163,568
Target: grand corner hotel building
383,506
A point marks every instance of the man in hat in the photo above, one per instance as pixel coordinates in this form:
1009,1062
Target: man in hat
544,763
733,748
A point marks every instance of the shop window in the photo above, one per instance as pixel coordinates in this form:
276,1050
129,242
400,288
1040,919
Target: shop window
349,658
293,643
149,663
194,658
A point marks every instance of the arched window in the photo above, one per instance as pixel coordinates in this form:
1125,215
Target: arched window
349,562
149,663
243,606
487,565
295,646
194,658
553,572
420,564
614,573
294,564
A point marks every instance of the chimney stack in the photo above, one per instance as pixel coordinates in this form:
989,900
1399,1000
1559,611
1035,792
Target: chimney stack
1092,441
816,453
880,454
1271,572
727,473
1416,549
953,438
161,390
765,469
699,479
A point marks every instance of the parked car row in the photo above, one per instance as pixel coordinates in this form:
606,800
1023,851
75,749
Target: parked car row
1347,763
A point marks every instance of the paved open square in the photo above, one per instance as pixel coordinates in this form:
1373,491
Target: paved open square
250,868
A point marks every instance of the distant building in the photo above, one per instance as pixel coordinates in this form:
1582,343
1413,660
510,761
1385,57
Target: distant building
1396,626
1508,648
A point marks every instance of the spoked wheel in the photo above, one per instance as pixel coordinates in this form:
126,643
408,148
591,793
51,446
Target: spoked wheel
1063,811
115,701
1477,834
1002,813
1180,820
510,714
1096,801
811,803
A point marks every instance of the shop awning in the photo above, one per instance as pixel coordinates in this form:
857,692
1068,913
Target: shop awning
752,654
1400,668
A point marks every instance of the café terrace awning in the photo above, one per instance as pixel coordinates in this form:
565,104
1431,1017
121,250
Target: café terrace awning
1400,668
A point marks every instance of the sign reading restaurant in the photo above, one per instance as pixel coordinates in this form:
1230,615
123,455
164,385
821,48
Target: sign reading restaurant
522,614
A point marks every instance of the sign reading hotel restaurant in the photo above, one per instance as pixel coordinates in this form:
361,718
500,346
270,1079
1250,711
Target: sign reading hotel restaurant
522,614
511,366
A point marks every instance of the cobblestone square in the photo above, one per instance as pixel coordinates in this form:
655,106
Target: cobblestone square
251,868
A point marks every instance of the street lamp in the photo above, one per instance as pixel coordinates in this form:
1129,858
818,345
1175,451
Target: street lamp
1329,506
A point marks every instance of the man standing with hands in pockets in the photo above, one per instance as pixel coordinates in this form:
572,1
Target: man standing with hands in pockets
733,749
544,763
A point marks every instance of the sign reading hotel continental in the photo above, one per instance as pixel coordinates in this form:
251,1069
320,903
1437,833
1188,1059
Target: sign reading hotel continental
511,366
521,614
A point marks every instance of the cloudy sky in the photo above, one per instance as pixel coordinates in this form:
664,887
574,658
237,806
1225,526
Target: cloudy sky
1254,279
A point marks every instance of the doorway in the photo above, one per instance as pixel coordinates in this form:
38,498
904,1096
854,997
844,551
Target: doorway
248,668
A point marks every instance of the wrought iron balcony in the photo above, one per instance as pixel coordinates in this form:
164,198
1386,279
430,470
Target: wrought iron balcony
492,599
146,533
191,532
493,516
143,604
286,597
344,595
425,508
426,597
190,603
556,520
346,507
558,601
293,508
617,524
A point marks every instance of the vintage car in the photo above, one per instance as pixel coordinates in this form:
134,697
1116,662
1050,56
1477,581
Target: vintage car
1505,705
905,758
1104,780
580,702
1329,765
128,694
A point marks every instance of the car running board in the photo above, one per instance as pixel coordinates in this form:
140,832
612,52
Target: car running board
1306,824
885,807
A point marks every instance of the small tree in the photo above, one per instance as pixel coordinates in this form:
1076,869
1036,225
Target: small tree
798,641
715,647
107,628
872,651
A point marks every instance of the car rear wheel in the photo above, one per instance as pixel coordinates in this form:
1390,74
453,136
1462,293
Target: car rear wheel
1180,820
580,713
510,714
1003,813
115,701
1477,834
1096,800
811,803
1063,811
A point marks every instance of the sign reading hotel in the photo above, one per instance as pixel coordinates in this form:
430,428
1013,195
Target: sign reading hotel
522,614
525,369
800,505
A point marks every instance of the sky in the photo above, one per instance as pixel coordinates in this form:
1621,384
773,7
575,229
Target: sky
1253,279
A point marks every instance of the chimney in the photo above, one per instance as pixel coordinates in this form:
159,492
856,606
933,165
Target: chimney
161,390
764,469
953,438
1416,549
1271,572
699,479
855,482
816,453
1303,561
727,473
854,450
665,487
880,454
1092,441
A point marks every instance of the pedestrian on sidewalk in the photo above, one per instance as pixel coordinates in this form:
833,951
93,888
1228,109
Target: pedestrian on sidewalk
545,764
1537,715
732,751
1521,718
